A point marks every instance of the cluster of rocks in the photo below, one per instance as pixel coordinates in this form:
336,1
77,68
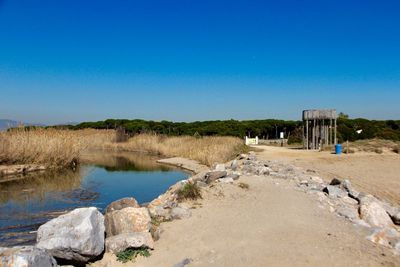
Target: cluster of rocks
127,225
84,234
363,209
366,210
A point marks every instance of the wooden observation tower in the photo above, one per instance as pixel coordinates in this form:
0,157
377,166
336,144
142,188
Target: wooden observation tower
320,128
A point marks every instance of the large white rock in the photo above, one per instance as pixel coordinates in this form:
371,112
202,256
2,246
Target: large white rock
27,256
118,243
76,236
373,213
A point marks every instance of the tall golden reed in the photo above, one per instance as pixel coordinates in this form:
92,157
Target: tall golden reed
49,147
58,148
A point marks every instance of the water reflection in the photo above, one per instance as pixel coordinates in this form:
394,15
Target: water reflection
24,188
124,161
28,201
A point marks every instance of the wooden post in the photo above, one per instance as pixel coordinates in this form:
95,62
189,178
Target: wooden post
318,141
335,133
307,138
330,132
327,135
316,134
314,137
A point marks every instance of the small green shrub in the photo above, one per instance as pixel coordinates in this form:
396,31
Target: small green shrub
131,254
189,191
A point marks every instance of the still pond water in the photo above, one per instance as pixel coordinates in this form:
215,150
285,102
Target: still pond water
29,201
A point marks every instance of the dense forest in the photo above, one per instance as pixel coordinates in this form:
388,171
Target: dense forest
267,129
262,128
347,129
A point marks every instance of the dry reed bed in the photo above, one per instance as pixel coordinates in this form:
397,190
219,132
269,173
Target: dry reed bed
58,148
206,150
49,147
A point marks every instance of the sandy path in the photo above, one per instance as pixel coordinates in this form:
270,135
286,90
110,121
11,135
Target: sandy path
268,225
378,174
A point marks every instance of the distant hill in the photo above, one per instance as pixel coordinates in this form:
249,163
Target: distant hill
6,124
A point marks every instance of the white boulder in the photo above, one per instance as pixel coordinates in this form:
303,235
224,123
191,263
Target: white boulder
77,236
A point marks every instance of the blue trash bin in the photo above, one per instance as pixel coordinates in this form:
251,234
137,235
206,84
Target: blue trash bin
338,149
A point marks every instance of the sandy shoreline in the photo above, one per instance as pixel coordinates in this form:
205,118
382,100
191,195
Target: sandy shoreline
271,224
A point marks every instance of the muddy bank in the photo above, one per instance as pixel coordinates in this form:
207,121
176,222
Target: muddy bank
8,170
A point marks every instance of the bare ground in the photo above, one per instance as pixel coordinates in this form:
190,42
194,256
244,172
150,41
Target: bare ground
378,174
271,224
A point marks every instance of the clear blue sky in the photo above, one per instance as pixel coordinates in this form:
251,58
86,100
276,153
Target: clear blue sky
70,60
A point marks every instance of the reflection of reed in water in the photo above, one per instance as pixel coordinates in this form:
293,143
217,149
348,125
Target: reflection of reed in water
37,184
124,161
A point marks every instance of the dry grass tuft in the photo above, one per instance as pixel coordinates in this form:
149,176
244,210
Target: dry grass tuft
189,191
243,185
